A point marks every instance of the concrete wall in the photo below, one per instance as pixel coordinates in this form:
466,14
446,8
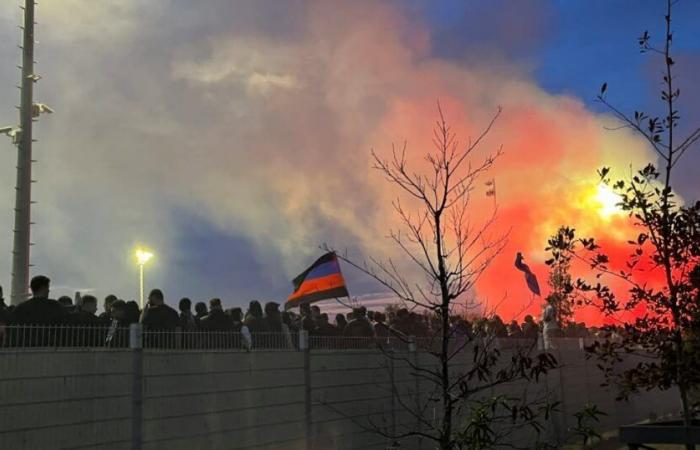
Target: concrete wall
51,399
72,398
224,400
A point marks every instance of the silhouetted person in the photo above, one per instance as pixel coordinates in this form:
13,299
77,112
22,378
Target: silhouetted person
325,328
200,310
359,326
315,313
187,322
133,312
462,328
157,316
4,310
550,329
419,324
118,313
216,320
278,326
273,317
91,329
401,323
514,330
65,301
5,317
497,328
381,329
530,329
40,310
254,320
340,322
307,322
288,320
85,315
106,316
236,315
218,326
118,332
241,330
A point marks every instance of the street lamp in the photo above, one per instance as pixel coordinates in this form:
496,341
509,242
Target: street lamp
142,257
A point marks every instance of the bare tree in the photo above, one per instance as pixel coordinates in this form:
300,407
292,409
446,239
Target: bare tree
451,249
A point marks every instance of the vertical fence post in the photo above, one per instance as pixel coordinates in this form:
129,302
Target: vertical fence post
394,390
136,345
554,383
304,347
414,355
562,392
582,348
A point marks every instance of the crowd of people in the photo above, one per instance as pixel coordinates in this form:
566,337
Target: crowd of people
212,317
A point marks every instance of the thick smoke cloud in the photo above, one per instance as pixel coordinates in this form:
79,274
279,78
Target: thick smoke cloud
258,120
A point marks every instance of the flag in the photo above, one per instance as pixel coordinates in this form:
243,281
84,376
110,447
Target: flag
323,280
491,185
530,277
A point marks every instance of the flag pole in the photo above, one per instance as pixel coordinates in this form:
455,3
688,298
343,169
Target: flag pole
352,304
491,190
343,304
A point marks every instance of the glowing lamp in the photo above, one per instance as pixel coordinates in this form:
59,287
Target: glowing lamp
143,256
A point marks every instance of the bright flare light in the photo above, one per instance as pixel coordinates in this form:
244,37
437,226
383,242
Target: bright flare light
143,256
607,201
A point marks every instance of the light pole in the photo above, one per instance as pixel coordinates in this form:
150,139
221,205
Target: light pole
142,257
22,137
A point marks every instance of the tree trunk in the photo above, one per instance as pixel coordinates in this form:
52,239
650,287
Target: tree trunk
446,442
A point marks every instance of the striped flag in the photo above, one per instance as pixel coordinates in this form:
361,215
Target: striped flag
321,281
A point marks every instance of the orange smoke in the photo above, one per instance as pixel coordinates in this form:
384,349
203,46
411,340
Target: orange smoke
362,76
546,178
553,146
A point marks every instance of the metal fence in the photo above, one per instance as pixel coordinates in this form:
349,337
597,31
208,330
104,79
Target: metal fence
22,336
19,336
63,336
105,336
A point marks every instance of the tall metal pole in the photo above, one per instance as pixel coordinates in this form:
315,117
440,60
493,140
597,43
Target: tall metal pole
141,285
23,194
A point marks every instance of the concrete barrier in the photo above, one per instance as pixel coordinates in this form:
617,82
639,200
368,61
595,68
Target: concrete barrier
82,399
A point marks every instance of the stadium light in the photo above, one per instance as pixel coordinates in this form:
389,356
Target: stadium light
142,257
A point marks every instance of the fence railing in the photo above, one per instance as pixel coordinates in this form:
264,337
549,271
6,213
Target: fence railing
105,336
63,336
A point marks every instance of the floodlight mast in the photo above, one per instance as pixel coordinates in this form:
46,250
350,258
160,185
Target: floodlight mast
23,189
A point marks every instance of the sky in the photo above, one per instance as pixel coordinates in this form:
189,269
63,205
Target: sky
233,138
